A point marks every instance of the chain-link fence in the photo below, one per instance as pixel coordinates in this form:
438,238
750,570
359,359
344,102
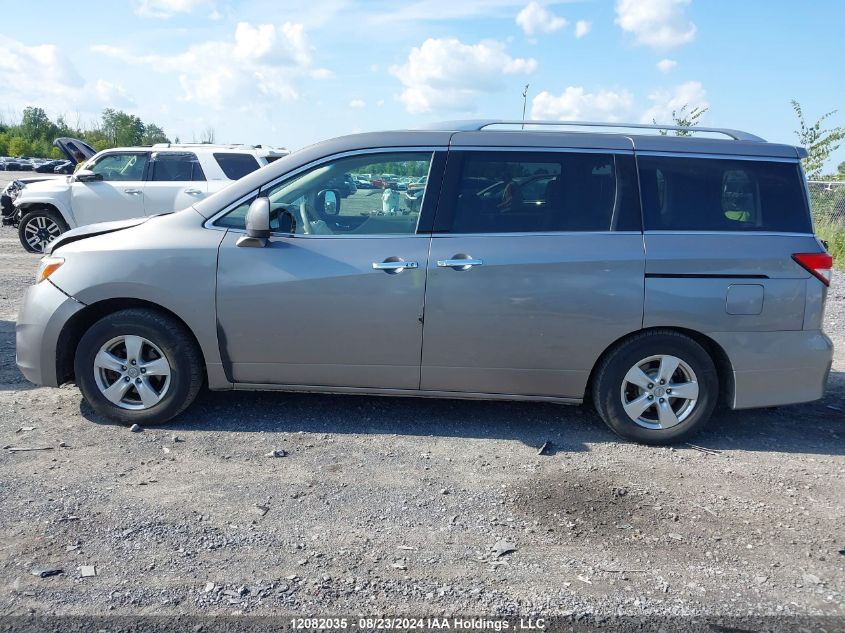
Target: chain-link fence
827,199
828,202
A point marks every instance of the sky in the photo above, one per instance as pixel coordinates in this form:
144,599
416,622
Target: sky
292,72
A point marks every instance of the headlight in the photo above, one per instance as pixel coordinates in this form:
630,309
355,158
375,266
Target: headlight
47,267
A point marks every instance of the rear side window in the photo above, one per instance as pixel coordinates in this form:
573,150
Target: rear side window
709,194
525,192
236,166
176,167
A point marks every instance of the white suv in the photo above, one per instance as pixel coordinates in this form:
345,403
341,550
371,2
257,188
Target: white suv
129,182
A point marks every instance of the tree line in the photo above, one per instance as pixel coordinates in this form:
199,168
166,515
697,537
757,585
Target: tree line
34,134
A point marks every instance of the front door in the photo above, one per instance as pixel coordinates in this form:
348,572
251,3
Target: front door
536,267
119,195
339,302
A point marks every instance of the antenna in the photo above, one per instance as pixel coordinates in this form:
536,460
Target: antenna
524,103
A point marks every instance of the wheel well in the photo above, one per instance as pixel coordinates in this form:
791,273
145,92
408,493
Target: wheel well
41,206
77,325
724,369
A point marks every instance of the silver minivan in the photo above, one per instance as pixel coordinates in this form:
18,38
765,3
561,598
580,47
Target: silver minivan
656,276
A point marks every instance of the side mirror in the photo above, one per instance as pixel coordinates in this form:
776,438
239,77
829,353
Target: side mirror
328,201
257,224
86,175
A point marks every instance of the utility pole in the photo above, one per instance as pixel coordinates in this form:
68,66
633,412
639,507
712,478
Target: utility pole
524,103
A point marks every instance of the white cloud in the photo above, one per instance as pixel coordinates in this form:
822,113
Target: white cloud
416,12
664,102
112,94
35,74
167,8
43,76
582,27
660,24
448,75
261,63
666,65
574,104
535,18
357,103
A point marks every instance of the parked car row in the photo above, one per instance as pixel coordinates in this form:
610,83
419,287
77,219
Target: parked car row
385,181
40,165
124,183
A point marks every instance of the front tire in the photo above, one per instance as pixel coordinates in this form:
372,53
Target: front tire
138,366
38,228
657,387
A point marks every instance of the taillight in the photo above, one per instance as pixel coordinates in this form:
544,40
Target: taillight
819,265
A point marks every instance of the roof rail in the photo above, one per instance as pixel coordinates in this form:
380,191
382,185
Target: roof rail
477,125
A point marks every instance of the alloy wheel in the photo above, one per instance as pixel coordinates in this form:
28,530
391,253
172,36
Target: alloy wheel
40,231
659,392
132,372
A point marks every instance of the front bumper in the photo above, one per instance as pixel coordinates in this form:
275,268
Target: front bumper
7,209
775,368
43,314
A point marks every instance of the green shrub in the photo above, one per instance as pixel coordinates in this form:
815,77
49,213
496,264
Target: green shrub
834,234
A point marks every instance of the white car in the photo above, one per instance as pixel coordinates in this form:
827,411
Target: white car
130,182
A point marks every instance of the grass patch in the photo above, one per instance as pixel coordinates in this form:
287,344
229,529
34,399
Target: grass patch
834,234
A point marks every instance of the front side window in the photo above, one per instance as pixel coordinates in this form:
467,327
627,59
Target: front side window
714,194
120,167
236,166
176,166
515,192
324,200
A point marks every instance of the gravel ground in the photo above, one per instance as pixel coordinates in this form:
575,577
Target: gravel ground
397,505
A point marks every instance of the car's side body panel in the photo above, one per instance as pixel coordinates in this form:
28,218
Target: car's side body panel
168,261
313,311
535,316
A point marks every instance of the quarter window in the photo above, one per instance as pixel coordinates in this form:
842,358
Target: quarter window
120,167
325,200
712,194
515,192
176,166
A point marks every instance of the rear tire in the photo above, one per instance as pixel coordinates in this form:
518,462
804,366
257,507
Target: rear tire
138,366
38,228
631,399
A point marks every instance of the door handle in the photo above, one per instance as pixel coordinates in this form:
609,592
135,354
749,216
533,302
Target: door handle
394,265
193,192
133,192
459,262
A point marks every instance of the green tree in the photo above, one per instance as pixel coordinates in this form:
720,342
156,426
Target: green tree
122,129
19,146
840,170
154,134
35,124
685,119
64,129
819,142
